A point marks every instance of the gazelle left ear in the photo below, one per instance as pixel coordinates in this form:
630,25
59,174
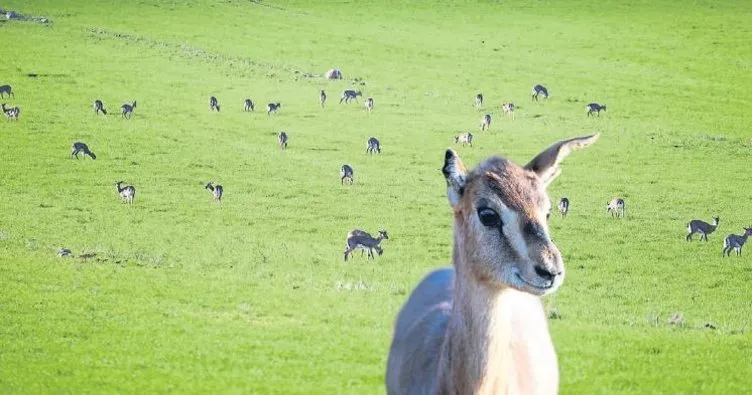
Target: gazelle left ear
454,173
546,164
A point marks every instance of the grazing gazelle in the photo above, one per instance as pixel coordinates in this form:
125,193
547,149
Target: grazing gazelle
248,105
349,94
373,145
216,191
464,138
214,104
616,207
485,122
346,174
480,327
322,98
79,147
127,109
540,90
594,108
272,108
479,101
563,207
701,227
12,112
127,193
99,107
736,242
508,109
6,89
357,238
369,104
282,140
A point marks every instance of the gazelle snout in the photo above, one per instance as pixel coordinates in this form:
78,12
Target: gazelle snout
543,273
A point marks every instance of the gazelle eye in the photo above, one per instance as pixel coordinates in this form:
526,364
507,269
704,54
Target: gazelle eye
488,217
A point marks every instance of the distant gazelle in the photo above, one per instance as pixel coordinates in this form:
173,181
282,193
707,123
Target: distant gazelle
79,147
282,140
349,94
127,193
346,174
563,207
6,90
272,108
736,242
464,138
357,238
99,107
248,105
126,110
480,327
540,90
214,104
334,74
322,98
616,207
373,146
508,109
216,190
479,101
594,108
701,227
369,104
485,122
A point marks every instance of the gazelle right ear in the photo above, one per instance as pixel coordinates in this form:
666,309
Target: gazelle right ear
454,173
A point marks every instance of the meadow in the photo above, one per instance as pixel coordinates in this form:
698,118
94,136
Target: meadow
177,294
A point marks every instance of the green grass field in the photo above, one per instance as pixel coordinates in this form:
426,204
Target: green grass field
185,296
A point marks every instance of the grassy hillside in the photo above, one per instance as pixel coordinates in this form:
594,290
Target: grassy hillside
182,295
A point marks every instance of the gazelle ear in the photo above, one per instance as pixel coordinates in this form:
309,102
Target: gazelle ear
546,164
454,173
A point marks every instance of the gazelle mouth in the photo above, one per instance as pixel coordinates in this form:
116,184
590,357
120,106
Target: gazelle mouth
536,286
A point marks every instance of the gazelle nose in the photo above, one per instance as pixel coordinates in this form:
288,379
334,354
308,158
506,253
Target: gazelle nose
545,274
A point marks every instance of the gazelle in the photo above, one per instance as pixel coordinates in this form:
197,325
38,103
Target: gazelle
248,105
214,104
479,327
701,227
369,104
322,98
127,109
99,107
282,140
508,109
563,207
357,238
334,74
11,113
594,108
539,90
127,193
616,207
216,191
6,90
79,147
464,138
479,101
272,108
349,94
735,242
485,122
346,174
373,146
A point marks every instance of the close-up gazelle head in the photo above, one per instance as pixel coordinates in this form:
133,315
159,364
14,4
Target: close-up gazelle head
500,209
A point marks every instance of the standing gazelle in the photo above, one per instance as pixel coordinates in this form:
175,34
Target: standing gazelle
127,109
272,108
248,105
485,122
79,147
736,242
346,174
508,109
357,238
373,146
701,227
464,138
564,207
216,190
595,108
616,207
539,90
322,98
282,140
127,193
349,94
214,104
479,101
6,90
369,104
479,327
